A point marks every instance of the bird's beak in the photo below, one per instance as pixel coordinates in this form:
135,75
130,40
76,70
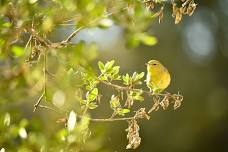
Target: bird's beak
146,63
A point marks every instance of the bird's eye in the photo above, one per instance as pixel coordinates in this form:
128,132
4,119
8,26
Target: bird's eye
154,64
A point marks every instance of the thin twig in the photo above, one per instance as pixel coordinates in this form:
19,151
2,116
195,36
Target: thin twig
186,2
45,83
121,88
38,102
40,39
48,44
85,110
45,75
30,38
49,108
112,119
72,35
91,119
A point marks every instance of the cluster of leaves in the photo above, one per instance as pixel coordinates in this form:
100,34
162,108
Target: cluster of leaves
116,106
91,96
135,79
109,73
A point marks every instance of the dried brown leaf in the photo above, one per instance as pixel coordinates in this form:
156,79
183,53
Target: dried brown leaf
165,102
191,8
141,113
175,9
183,10
155,106
178,17
160,17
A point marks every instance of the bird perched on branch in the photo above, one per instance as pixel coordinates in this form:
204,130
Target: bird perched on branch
158,77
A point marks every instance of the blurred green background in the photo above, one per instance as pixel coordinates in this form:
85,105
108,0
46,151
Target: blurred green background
195,53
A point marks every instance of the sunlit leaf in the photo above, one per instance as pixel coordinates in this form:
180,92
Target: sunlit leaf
115,103
122,112
91,96
7,119
71,121
22,133
105,23
7,24
17,51
2,150
92,105
109,65
147,39
101,66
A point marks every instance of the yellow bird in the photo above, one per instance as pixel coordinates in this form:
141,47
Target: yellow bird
158,77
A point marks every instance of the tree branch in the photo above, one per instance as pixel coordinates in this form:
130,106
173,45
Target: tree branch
126,88
53,45
38,102
94,119
112,119
72,35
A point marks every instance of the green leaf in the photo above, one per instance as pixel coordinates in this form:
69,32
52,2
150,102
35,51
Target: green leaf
70,72
7,24
7,119
105,23
91,96
115,103
103,78
24,123
122,112
109,65
116,77
101,66
17,51
92,105
83,102
133,41
125,111
126,79
140,76
136,77
71,121
115,69
22,133
147,39
139,98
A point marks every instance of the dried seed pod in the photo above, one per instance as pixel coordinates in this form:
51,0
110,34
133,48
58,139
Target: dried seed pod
160,17
141,113
177,104
175,9
165,102
155,106
178,17
35,55
191,8
149,4
183,10
133,135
